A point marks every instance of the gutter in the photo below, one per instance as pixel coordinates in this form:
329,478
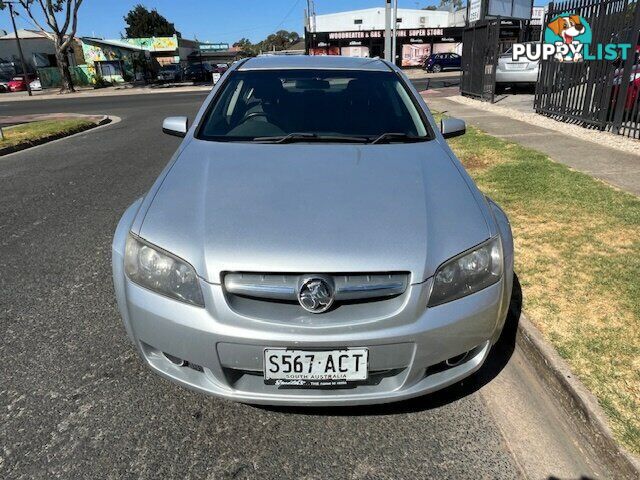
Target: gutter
576,401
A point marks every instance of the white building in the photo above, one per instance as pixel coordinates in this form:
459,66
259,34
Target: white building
374,19
38,49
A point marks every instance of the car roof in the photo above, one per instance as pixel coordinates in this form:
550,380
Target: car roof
327,62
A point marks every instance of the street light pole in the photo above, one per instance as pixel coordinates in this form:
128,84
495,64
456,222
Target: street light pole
387,31
24,65
394,32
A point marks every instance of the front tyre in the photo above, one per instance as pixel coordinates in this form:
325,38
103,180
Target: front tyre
436,68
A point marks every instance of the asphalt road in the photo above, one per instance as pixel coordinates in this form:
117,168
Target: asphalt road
76,402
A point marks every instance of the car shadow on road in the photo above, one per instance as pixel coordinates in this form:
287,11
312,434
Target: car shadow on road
498,358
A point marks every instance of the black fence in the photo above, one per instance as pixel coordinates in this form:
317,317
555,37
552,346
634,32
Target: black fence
480,47
602,94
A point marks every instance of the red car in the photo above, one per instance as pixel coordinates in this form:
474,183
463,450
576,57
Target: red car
18,84
633,90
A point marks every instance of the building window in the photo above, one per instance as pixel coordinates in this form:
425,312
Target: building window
109,68
358,21
398,20
423,19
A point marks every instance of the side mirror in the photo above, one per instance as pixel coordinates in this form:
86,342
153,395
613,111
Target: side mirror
176,126
452,127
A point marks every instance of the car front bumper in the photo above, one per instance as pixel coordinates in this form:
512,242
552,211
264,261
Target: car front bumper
223,347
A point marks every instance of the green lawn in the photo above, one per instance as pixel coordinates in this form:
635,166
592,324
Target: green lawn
28,134
578,260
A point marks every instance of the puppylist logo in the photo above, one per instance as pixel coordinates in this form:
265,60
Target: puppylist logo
568,38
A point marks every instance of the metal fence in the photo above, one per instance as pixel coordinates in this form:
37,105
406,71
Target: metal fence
480,46
600,94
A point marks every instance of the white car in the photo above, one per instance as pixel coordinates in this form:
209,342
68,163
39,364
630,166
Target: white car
36,85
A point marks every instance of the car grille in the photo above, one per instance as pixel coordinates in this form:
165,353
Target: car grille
358,297
348,287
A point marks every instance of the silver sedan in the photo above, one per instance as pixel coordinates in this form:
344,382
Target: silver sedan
313,241
516,72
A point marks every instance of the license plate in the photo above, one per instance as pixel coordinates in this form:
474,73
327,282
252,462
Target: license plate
284,366
516,66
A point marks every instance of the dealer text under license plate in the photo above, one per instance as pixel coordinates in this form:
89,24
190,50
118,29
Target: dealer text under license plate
315,368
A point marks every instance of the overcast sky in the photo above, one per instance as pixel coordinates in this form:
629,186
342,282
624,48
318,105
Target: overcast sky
211,20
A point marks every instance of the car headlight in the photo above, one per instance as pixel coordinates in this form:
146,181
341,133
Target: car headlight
467,273
157,270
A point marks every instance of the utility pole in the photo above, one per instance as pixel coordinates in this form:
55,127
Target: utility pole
24,65
311,13
387,31
394,41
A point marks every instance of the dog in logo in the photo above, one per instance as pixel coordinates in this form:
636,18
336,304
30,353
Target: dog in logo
567,28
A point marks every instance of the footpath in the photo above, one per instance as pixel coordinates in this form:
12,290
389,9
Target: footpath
619,167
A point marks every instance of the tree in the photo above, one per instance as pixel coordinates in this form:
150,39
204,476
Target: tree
430,7
144,23
61,18
243,43
447,4
281,40
247,49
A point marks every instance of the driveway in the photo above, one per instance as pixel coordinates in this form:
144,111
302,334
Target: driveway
518,98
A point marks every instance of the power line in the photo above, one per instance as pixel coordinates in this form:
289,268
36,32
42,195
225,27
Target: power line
295,4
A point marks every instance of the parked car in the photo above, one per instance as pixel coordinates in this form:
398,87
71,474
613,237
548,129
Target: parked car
516,72
308,246
18,83
36,85
170,73
198,73
633,89
220,68
437,62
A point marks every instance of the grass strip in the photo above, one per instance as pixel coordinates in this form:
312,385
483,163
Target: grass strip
35,133
577,244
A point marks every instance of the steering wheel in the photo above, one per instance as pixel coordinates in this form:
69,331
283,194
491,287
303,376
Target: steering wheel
253,115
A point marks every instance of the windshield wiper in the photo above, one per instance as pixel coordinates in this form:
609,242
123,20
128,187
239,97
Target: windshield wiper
389,136
292,137
309,137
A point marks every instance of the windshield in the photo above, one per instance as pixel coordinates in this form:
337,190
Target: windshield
324,104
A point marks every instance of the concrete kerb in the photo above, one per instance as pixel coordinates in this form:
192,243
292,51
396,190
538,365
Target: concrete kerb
577,401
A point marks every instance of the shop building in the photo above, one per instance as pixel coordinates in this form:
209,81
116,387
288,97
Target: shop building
214,54
165,50
127,59
360,33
